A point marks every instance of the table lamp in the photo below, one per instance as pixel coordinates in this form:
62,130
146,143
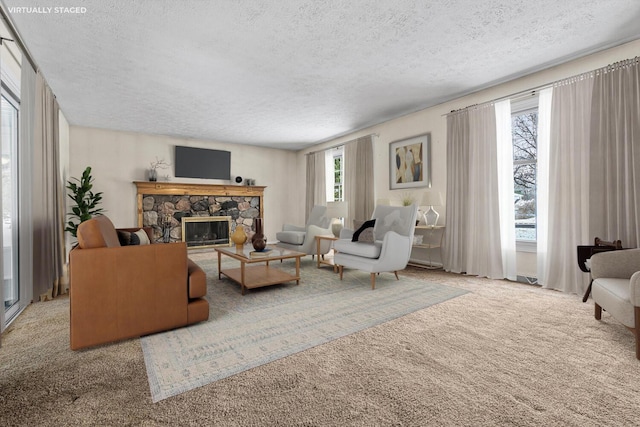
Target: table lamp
337,210
431,199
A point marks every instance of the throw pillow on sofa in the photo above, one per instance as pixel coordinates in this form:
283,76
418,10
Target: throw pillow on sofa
127,238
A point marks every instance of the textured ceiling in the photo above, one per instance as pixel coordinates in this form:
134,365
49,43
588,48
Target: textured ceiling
292,73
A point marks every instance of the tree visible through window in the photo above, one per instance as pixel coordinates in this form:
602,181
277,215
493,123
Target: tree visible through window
338,173
525,137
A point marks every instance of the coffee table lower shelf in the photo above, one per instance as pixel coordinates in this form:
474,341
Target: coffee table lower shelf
259,276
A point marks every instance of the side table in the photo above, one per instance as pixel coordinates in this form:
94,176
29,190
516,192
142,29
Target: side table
432,236
321,259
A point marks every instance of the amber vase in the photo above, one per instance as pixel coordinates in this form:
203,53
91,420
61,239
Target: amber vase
239,236
258,240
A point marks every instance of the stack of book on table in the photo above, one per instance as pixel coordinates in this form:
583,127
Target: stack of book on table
260,254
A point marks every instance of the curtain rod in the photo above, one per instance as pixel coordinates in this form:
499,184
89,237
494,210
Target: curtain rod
515,95
18,40
341,144
530,92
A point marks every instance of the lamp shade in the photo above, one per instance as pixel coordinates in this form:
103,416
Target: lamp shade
432,198
337,209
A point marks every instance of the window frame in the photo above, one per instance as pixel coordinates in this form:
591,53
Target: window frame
338,152
12,312
520,107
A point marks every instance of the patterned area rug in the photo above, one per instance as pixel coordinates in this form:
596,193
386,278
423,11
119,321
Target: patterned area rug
276,321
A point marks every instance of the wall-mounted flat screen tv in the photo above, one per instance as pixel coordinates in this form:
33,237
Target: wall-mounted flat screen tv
193,162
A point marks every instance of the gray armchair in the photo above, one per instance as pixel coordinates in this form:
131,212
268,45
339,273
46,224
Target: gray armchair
388,249
616,288
303,239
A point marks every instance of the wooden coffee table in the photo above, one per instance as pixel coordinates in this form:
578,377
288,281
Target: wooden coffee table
256,276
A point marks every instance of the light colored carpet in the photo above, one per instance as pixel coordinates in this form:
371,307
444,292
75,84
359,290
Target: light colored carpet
505,354
273,322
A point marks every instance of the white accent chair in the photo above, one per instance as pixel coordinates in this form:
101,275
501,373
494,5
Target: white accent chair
303,239
390,251
616,288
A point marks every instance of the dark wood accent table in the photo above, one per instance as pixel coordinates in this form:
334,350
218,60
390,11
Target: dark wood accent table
587,251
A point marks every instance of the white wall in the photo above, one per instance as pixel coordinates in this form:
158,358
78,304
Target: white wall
433,120
118,159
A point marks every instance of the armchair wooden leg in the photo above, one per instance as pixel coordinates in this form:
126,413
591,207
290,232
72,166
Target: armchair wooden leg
636,331
598,312
373,280
340,269
396,273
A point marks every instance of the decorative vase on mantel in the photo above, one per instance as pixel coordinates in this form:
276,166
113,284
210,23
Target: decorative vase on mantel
258,240
153,174
239,236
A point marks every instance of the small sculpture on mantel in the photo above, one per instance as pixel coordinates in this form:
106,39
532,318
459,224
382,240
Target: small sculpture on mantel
158,164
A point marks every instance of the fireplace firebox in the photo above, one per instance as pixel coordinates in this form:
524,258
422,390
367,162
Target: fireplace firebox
206,231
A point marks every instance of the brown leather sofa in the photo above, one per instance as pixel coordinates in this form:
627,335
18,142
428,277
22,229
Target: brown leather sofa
119,292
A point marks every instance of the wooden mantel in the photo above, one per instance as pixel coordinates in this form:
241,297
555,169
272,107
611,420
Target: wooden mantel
182,189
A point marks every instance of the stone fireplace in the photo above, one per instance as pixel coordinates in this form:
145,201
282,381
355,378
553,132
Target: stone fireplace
165,205
206,231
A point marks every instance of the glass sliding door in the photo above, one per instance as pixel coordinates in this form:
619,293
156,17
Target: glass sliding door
8,162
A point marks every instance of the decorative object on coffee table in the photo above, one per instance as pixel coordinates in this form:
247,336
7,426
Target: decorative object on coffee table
258,240
239,237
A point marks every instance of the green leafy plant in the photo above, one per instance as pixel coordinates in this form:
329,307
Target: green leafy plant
407,199
86,201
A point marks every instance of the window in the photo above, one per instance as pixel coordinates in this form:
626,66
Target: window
8,152
338,174
524,123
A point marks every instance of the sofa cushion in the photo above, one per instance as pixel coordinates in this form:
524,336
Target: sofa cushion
361,249
97,232
291,237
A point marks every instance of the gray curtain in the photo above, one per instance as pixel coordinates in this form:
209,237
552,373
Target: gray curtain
456,233
615,153
47,196
25,179
473,237
358,179
316,182
563,184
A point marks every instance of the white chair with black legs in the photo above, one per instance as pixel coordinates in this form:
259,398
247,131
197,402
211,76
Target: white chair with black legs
382,244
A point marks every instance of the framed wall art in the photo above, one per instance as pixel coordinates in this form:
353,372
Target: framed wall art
410,162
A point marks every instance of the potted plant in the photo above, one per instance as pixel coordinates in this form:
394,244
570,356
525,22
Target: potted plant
86,201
